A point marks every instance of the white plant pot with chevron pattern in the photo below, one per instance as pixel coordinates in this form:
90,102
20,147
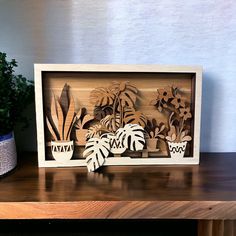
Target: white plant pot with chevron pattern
117,146
177,150
62,151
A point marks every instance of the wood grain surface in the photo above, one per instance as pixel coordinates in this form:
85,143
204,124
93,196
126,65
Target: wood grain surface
207,191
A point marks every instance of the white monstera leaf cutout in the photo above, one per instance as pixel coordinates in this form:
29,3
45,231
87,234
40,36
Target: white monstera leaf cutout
96,150
132,136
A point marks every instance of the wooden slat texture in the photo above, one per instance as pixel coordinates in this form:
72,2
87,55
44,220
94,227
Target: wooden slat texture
205,227
229,228
216,228
203,192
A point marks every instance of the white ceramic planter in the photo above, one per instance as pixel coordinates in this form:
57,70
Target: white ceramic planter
8,156
177,150
62,151
116,145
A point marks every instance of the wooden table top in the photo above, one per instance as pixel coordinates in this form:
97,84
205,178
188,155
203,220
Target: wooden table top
207,191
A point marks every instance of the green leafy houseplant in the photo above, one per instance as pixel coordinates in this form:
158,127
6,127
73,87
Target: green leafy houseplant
16,92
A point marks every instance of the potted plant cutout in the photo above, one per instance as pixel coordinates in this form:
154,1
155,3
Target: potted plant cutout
97,149
117,107
154,132
60,124
16,92
169,100
80,130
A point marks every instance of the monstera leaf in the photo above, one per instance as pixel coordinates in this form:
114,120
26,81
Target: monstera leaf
101,112
96,150
102,97
132,136
111,123
127,92
135,117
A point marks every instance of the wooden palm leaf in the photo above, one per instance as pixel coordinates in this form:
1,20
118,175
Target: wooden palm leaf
135,117
132,136
96,150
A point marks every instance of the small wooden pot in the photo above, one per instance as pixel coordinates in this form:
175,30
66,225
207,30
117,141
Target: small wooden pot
81,136
62,151
151,144
8,156
177,150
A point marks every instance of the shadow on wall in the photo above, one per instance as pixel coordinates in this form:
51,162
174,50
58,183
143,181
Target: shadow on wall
208,97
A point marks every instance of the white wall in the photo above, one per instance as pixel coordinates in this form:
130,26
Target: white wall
193,32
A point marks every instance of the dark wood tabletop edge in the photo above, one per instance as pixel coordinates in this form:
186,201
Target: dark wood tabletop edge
119,210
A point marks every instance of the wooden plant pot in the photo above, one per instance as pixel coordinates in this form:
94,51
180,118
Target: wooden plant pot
116,145
8,156
81,136
152,144
62,151
177,150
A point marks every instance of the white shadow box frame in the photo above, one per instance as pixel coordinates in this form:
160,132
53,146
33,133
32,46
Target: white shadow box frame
147,75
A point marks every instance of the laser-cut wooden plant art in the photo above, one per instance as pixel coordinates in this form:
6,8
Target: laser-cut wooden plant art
154,132
110,121
96,150
119,102
81,120
116,107
60,122
169,100
130,137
